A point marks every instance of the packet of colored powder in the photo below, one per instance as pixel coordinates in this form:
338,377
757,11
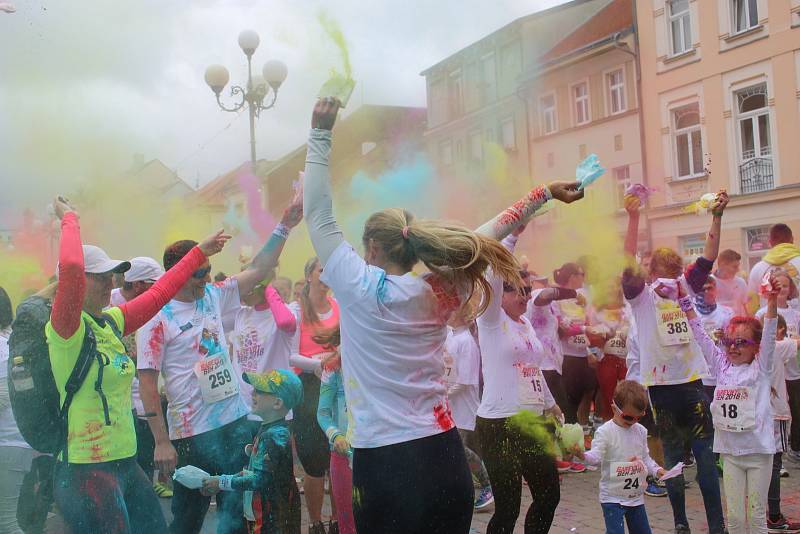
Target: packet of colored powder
190,476
339,87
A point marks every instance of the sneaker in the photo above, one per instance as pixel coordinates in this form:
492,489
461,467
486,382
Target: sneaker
162,490
562,466
784,473
653,490
682,529
688,462
333,527
576,467
317,528
485,502
782,525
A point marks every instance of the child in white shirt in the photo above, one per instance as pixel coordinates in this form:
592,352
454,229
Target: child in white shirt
620,448
744,430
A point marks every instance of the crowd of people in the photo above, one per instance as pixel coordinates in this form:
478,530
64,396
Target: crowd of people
407,387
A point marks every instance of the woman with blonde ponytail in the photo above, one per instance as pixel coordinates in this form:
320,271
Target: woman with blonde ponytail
393,329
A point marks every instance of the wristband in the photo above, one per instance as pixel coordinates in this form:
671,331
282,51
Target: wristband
685,303
225,482
282,231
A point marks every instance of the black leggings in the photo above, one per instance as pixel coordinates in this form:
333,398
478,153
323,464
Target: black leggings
107,498
422,486
580,381
510,456
310,441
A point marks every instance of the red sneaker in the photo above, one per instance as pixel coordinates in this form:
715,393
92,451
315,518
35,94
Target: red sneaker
562,466
782,525
576,467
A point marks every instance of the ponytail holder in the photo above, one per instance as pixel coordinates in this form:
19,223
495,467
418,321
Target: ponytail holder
404,231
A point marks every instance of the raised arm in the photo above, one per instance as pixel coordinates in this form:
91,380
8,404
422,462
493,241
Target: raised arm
711,352
266,260
767,349
284,318
633,279
68,302
711,249
549,294
494,312
325,234
523,209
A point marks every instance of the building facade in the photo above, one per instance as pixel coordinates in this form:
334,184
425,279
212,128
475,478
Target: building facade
721,109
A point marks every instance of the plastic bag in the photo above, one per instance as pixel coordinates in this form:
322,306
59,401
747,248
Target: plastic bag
702,206
589,170
190,476
640,191
571,436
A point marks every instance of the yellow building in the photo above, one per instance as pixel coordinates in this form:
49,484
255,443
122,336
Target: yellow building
721,109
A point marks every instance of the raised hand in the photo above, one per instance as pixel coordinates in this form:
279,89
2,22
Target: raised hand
61,206
214,243
293,214
632,203
718,207
566,192
325,110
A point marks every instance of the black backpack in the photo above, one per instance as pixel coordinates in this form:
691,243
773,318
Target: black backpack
40,416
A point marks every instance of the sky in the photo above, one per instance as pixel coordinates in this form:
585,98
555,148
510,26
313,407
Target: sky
86,85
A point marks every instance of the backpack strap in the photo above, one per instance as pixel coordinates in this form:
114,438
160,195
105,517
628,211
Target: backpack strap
110,320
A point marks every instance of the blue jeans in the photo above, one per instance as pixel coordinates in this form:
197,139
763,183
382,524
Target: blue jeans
635,517
218,452
683,418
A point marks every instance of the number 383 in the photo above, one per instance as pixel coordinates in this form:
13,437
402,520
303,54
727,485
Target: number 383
681,327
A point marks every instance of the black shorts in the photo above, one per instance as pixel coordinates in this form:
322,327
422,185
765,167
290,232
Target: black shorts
309,439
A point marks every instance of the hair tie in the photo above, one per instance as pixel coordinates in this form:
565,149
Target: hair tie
404,231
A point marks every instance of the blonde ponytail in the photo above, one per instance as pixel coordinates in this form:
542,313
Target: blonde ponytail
448,249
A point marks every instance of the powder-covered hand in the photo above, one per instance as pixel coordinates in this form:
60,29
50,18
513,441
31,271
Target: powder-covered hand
214,243
566,192
61,206
325,110
294,211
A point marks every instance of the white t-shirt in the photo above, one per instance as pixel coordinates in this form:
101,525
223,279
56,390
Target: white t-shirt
465,370
616,322
613,444
732,293
511,352
756,377
570,313
393,334
716,320
632,359
9,432
545,323
183,341
792,318
660,363
258,346
117,299
785,351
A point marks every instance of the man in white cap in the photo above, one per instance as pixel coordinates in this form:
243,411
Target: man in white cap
144,272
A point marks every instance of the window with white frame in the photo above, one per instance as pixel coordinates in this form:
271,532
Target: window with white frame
615,82
622,179
756,244
753,121
692,247
455,94
580,98
507,134
547,108
488,79
680,26
744,15
475,146
688,141
446,152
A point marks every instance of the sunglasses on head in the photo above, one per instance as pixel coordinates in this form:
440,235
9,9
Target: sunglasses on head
737,342
627,417
524,290
201,273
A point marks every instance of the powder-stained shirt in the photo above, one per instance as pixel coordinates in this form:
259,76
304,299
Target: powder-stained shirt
462,348
130,348
175,340
544,320
90,439
719,319
792,318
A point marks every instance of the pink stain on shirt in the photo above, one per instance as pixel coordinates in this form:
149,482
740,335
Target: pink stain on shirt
155,344
443,415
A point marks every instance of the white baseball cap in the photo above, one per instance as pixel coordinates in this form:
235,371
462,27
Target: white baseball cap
144,269
96,261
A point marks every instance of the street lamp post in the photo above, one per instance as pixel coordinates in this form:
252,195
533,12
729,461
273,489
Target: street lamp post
258,87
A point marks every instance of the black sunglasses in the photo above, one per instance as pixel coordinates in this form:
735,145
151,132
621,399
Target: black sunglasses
201,273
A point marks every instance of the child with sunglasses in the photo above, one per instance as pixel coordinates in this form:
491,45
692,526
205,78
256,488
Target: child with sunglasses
742,365
620,449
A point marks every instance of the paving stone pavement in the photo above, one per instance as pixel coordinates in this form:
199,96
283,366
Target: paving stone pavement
579,511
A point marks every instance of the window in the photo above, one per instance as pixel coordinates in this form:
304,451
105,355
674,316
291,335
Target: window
618,142
622,179
692,247
744,14
757,244
488,79
446,152
688,141
547,107
437,107
616,91
475,146
755,147
580,96
455,94
508,135
680,26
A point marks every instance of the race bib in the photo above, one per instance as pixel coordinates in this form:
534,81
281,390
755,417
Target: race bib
616,346
450,369
530,386
217,378
673,326
627,480
734,408
579,342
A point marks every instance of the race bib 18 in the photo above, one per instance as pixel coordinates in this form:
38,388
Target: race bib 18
673,326
627,480
734,408
530,386
217,378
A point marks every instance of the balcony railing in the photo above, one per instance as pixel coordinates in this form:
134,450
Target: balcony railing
756,175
